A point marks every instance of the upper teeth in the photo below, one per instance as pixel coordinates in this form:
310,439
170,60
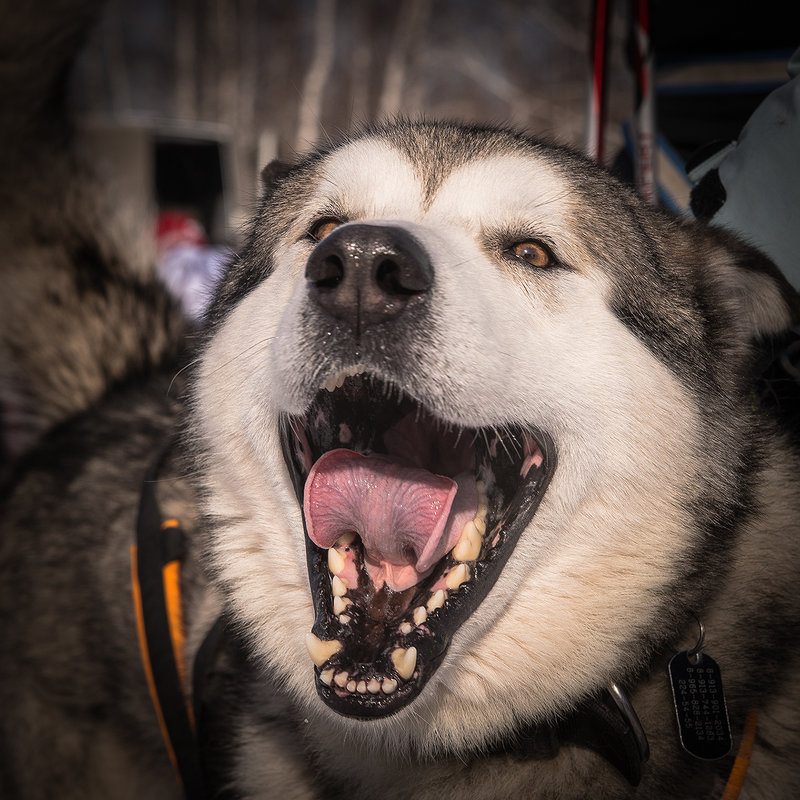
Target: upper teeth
336,562
336,381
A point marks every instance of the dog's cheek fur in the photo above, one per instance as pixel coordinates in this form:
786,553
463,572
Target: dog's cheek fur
605,538
256,545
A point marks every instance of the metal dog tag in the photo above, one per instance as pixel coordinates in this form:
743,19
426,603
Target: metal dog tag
700,706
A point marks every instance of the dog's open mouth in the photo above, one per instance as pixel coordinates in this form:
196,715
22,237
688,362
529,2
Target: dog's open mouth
409,522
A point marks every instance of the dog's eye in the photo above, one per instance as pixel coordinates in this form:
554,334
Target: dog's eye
532,252
322,227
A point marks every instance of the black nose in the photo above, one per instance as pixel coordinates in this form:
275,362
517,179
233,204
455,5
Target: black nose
366,274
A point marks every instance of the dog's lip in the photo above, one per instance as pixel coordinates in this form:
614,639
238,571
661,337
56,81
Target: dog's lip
366,668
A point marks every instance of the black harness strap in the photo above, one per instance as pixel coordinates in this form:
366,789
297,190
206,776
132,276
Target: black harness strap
155,548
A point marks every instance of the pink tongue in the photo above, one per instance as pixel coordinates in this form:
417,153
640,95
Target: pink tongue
407,518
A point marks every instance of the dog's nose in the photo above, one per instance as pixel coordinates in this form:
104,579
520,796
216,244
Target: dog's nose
366,274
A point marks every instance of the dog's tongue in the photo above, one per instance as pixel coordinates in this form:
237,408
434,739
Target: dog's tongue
407,517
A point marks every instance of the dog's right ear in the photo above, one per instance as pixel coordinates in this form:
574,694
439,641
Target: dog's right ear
272,173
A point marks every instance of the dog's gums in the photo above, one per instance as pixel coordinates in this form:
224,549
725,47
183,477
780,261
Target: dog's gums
409,522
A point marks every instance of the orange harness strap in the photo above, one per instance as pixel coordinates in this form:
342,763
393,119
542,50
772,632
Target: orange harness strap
171,574
155,586
740,765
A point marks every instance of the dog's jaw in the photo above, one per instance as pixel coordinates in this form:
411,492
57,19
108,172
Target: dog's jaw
383,624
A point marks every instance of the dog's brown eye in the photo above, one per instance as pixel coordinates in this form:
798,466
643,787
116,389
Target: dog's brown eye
533,253
321,228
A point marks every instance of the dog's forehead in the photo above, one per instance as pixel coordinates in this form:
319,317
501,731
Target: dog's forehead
377,177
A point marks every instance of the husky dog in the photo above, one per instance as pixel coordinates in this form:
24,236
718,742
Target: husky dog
471,452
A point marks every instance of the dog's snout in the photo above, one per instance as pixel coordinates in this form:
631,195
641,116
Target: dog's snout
366,274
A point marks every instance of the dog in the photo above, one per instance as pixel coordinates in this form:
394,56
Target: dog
476,486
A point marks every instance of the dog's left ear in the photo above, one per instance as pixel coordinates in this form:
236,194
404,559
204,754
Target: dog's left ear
761,300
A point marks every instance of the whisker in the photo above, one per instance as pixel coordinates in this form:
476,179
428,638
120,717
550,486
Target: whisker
246,351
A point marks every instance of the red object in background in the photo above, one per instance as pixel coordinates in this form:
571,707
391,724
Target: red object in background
598,88
178,227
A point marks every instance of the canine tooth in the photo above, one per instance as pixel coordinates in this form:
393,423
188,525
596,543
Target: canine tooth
351,686
330,384
406,628
436,600
374,686
361,687
326,676
480,524
336,562
319,650
338,586
389,685
458,575
469,545
341,679
420,614
344,618
405,661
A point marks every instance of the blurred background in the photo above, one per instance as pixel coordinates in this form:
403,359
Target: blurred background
184,101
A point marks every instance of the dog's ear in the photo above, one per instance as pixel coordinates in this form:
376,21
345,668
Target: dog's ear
761,300
274,172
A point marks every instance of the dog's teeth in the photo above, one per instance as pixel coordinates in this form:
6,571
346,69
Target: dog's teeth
338,586
480,524
319,650
361,687
469,545
336,381
374,686
344,619
436,600
340,605
405,661
389,685
326,676
341,679
351,686
458,575
483,500
336,562
420,615
406,628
